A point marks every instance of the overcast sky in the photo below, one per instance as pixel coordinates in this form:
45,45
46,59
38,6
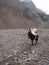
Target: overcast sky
42,4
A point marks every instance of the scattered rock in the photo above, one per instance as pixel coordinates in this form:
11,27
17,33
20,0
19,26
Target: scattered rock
22,53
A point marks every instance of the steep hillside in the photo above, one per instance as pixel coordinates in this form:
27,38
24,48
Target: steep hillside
19,14
16,17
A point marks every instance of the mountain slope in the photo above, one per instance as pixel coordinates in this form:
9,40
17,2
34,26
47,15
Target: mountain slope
19,14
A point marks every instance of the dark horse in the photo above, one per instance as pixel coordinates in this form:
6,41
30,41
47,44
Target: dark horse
33,35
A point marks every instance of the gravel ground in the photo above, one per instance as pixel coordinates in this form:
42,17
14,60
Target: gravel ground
16,48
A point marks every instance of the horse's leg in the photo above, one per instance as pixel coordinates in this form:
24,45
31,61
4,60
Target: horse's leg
36,39
32,42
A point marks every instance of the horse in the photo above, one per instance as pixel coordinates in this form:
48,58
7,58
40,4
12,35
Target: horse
33,34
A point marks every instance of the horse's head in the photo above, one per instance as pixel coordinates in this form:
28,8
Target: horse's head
34,31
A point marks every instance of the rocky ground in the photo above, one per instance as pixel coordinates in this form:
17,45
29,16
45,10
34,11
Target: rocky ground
16,48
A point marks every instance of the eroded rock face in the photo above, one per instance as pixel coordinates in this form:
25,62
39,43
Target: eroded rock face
16,48
21,14
17,14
